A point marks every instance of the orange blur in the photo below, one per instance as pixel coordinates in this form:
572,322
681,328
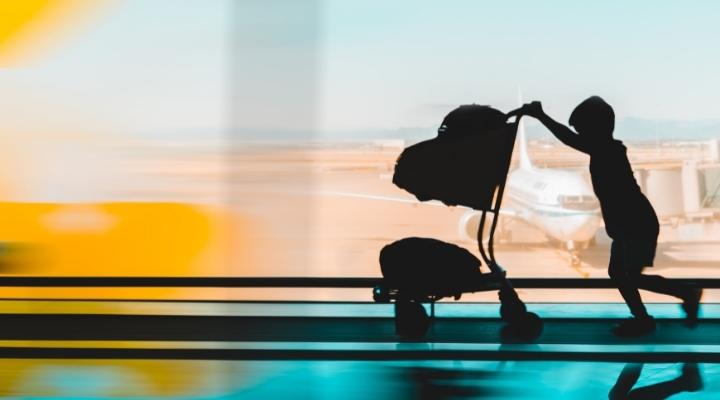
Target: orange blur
119,239
30,27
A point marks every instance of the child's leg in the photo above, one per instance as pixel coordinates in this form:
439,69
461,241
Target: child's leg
627,260
690,296
626,280
640,251
659,284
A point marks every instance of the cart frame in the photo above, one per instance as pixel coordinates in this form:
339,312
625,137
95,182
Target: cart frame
411,320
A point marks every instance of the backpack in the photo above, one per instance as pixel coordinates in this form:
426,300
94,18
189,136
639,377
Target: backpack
463,165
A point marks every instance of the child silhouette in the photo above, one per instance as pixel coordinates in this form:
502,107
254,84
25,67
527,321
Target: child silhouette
630,219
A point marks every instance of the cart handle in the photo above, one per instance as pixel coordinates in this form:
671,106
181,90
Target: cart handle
489,257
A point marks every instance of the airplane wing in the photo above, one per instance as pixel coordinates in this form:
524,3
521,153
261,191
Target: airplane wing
407,200
505,211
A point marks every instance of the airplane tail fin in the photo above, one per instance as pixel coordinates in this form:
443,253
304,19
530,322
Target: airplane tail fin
525,162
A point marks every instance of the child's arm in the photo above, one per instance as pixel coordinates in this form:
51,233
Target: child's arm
562,132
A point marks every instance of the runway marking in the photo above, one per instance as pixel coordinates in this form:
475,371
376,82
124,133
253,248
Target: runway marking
565,255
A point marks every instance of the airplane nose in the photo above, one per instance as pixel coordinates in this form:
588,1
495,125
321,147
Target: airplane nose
578,228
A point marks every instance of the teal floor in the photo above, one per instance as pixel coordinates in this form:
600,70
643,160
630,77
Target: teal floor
295,380
487,380
350,351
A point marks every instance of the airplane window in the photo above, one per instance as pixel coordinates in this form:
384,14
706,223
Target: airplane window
579,202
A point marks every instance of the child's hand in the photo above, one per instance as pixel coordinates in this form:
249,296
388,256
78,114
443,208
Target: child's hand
533,109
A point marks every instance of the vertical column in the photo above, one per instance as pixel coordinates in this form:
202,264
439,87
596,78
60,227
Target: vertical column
690,187
713,150
273,101
641,178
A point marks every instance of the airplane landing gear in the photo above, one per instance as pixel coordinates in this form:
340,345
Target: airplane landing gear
576,264
575,258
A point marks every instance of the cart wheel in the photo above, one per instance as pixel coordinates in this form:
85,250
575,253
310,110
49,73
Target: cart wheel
511,311
381,294
411,320
529,326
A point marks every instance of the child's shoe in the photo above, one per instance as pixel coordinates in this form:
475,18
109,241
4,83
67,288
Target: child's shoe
691,305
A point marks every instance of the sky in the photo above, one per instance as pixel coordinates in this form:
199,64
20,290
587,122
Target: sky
137,68
406,63
202,67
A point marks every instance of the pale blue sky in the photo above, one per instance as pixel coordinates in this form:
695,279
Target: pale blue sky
143,66
164,66
406,62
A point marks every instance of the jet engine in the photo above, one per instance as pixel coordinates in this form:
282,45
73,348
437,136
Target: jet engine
470,221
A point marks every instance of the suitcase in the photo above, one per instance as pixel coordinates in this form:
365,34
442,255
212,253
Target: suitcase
424,267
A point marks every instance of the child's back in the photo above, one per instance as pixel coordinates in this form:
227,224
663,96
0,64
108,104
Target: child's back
626,211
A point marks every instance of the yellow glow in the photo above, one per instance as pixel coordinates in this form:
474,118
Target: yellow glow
30,27
117,239
115,344
18,377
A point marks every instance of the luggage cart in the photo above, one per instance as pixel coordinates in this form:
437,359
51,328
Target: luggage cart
411,319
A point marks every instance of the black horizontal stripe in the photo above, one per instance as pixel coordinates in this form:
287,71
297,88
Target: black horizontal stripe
358,355
298,282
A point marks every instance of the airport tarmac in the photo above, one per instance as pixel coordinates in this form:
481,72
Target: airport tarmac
328,211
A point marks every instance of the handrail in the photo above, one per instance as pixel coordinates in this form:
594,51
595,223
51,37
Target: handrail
298,282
